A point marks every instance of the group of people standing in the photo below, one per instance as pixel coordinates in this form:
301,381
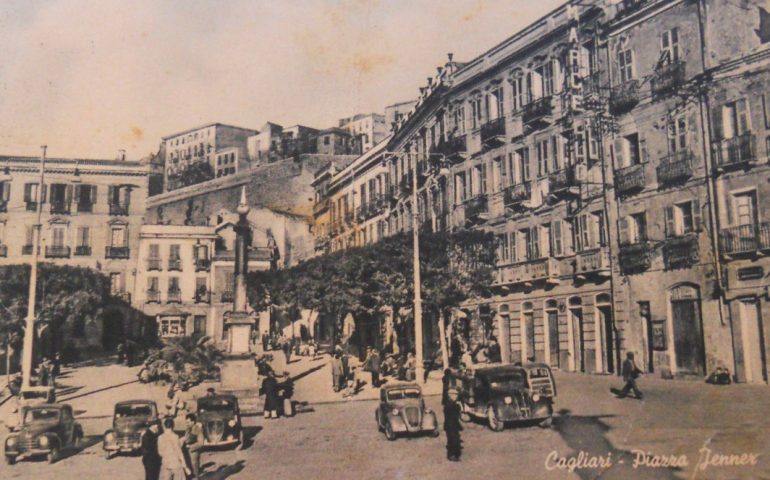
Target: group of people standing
166,456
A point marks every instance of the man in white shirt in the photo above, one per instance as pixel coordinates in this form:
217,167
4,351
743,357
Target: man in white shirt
173,464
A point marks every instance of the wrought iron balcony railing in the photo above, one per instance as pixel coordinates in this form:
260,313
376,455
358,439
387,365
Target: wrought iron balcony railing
635,258
630,179
321,205
117,252
735,152
26,249
624,97
675,167
454,148
31,206
174,264
57,251
202,264
83,250
118,209
154,264
476,206
592,261
515,195
202,296
174,296
538,111
542,269
85,207
60,208
680,252
668,78
745,239
493,132
562,180
153,296
227,296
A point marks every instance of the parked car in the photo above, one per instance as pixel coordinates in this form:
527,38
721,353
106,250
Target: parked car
36,395
402,410
221,420
508,393
129,420
46,429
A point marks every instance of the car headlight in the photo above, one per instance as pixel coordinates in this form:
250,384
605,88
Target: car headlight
428,411
43,441
508,400
11,441
536,397
231,423
109,437
394,411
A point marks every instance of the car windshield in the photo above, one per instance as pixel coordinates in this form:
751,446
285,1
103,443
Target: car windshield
404,393
538,372
505,383
33,395
138,410
41,415
216,405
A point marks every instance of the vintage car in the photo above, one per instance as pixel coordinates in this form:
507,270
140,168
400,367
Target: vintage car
129,420
221,420
46,429
402,410
36,395
507,393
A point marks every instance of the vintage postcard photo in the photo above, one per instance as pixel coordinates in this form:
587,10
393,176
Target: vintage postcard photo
384,239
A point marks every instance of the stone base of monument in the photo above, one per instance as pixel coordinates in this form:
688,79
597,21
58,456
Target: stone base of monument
239,377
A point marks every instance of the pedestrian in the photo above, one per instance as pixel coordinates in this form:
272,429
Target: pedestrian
720,377
493,351
312,350
172,462
121,353
272,400
352,383
43,372
265,341
375,368
57,364
447,382
174,402
149,448
345,360
336,367
630,373
210,392
286,346
452,426
193,441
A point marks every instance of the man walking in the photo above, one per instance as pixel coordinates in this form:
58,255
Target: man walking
172,459
150,455
452,427
630,373
336,366
270,390
193,441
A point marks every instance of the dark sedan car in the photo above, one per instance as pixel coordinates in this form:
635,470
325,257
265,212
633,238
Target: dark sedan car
221,420
402,410
130,420
46,429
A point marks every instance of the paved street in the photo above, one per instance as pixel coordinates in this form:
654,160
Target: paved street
340,440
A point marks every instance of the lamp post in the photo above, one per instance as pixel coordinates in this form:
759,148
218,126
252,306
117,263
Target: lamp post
418,347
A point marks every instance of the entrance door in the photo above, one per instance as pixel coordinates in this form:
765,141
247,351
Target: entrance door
688,336
578,347
553,337
752,339
608,338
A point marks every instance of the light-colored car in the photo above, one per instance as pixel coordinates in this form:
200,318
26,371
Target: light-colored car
402,410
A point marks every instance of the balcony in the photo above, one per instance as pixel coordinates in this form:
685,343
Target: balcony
174,296
85,207
57,251
592,85
529,272
83,250
117,252
635,258
596,261
538,113
624,97
745,239
202,264
476,209
350,218
562,181
405,184
321,244
680,252
154,264
667,79
453,148
153,296
675,168
515,195
630,180
31,206
3,250
203,296
125,296
228,296
735,152
118,209
26,250
493,132
60,208
174,264
321,205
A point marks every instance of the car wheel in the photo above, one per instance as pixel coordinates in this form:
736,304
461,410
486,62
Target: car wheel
10,460
53,454
78,440
389,433
377,419
241,440
464,415
495,424
435,433
107,455
547,422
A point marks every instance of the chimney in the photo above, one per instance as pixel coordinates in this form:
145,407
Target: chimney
450,56
122,155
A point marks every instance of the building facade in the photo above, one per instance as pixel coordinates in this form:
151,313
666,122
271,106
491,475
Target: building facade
368,128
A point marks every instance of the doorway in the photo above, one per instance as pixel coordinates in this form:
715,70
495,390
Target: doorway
752,341
687,330
578,346
552,317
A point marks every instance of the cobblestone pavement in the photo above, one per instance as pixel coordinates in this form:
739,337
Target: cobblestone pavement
340,440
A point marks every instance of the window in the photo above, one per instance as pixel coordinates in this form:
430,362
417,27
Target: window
735,119
5,195
172,327
118,236
59,235
599,227
633,229
481,177
669,47
625,65
557,239
519,93
116,283
542,157
555,142
546,75
459,119
174,252
326,140
199,325
84,237
677,134
504,249
523,157
531,243
173,284
744,208
628,150
200,286
544,240
495,102
59,193
682,218
476,113
85,195
31,195
460,188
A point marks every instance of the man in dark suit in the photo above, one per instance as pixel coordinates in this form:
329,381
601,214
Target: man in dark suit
630,373
150,455
452,426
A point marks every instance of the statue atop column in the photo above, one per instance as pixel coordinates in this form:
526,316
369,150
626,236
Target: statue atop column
239,322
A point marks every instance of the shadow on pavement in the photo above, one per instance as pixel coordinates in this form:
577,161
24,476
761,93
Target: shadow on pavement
586,435
224,471
307,372
248,436
86,442
97,391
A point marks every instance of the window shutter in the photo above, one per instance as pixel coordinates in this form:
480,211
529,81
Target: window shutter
742,112
729,208
514,252
623,231
557,76
28,192
577,240
78,189
68,194
588,230
6,191
93,194
556,233
642,150
618,151
696,215
716,124
111,194
668,215
45,193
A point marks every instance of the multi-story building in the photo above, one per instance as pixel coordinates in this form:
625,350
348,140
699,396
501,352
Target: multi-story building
203,153
612,147
274,142
185,276
336,141
368,128
394,112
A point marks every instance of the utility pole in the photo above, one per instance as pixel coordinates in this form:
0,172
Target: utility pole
29,332
418,354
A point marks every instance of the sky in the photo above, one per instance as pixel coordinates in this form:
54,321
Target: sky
88,78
